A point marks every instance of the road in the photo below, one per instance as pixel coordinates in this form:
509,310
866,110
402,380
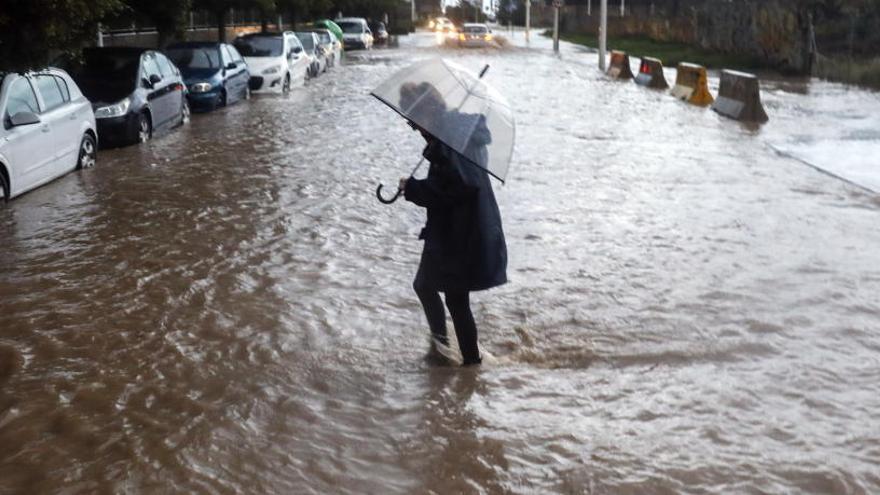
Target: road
228,309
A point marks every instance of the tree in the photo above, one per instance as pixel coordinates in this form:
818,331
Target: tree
168,16
220,9
31,31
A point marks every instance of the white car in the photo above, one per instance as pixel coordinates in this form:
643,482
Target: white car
476,35
48,130
316,54
355,33
276,61
331,45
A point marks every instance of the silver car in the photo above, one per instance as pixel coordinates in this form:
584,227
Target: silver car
48,130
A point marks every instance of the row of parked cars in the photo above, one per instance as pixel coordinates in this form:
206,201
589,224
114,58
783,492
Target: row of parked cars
53,118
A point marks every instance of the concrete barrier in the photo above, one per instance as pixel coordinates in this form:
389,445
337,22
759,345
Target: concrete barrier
739,97
619,67
691,85
651,74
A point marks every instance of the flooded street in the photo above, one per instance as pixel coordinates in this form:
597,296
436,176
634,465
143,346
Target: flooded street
228,309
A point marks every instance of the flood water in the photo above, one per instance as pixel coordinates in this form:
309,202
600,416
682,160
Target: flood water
228,309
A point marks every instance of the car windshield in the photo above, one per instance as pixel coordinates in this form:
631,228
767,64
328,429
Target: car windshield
325,37
476,29
351,27
195,58
307,40
260,46
107,65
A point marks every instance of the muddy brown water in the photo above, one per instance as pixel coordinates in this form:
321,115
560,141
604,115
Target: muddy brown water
227,309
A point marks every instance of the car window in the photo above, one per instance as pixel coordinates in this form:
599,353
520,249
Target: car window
235,55
260,46
149,65
294,42
351,27
165,66
65,91
195,58
21,98
227,57
49,90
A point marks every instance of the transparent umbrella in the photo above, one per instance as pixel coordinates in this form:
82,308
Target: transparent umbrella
455,106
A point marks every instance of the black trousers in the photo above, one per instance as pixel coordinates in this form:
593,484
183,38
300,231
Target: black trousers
459,306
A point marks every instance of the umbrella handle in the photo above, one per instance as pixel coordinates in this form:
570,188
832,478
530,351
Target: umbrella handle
386,201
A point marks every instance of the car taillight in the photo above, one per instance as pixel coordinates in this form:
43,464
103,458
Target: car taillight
488,37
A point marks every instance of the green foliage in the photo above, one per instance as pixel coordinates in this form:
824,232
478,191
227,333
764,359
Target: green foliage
31,31
168,16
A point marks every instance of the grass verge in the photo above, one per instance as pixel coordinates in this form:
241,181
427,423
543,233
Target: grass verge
670,53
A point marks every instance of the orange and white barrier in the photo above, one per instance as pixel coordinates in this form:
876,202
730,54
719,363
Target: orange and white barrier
619,67
651,74
691,85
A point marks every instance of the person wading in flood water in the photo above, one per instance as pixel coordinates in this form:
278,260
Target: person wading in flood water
464,247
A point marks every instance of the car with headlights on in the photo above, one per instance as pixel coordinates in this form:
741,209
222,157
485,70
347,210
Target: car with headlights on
380,34
135,92
215,74
48,130
475,35
276,61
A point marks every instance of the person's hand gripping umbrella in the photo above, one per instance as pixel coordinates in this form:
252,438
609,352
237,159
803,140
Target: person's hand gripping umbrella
445,100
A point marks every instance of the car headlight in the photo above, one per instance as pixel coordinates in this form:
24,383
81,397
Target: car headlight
272,70
115,110
201,87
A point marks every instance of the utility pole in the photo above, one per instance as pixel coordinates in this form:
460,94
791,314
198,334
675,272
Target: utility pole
603,33
100,36
589,7
622,8
412,4
556,4
528,18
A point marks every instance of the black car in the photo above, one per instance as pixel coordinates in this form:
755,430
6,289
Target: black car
215,73
134,92
380,34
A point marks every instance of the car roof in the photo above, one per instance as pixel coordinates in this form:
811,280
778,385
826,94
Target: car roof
475,24
267,34
350,19
196,44
118,50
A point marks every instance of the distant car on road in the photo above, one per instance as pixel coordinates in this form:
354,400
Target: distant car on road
317,57
135,92
332,47
215,74
276,60
355,33
476,35
48,130
441,24
380,34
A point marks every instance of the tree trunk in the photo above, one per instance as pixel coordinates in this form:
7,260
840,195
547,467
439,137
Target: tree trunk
221,26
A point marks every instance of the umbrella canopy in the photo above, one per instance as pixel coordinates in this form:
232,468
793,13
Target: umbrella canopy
332,26
455,106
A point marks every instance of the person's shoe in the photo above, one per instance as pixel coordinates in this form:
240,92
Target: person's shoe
441,345
473,362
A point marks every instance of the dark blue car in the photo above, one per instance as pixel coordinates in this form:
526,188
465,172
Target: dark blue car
215,74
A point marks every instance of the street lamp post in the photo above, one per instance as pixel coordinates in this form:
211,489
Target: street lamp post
528,18
556,5
603,33
412,17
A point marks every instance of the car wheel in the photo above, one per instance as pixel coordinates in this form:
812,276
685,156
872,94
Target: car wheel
285,88
145,128
184,113
4,189
88,153
224,100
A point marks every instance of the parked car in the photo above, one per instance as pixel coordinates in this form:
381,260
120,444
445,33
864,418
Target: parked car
355,33
48,130
135,92
380,34
441,24
312,48
276,60
476,35
331,46
215,73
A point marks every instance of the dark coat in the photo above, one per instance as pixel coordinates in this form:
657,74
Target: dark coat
464,241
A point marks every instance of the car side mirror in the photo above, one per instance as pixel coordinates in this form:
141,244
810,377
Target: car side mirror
24,118
297,49
231,66
155,79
